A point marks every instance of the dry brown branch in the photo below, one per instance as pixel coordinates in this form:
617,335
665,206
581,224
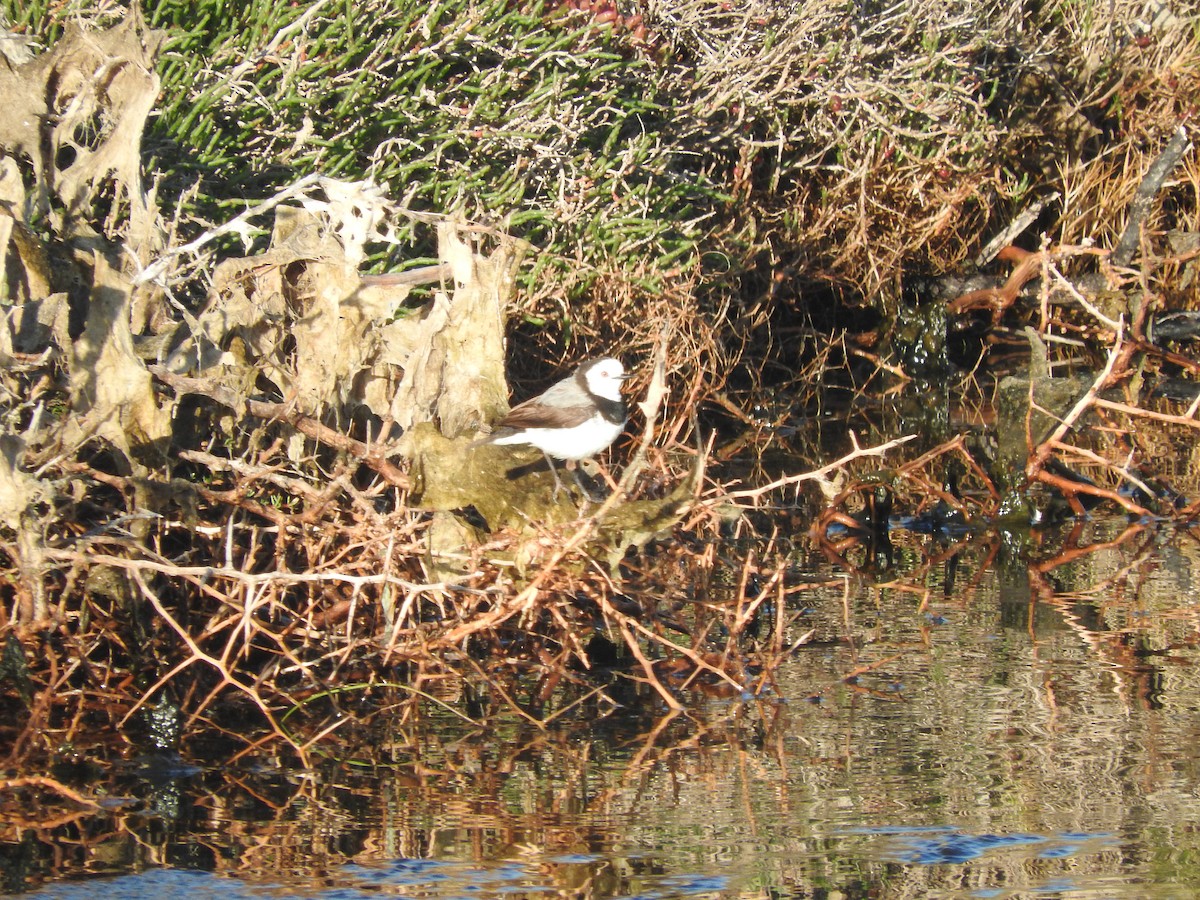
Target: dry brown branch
268,473
219,665
933,487
51,784
629,624
1188,421
647,666
1000,299
1071,488
250,579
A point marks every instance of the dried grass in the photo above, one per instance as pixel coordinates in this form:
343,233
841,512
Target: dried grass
275,571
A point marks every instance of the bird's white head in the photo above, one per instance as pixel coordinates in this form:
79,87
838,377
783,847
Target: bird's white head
604,377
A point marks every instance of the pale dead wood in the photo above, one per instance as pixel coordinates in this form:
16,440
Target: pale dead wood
817,475
1147,191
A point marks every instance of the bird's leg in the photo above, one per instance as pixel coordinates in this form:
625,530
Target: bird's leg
554,472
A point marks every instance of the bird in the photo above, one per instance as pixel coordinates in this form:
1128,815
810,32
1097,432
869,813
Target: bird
573,419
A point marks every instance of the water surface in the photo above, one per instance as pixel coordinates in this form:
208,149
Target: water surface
1032,732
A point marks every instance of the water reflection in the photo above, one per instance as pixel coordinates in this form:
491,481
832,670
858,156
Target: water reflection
1031,733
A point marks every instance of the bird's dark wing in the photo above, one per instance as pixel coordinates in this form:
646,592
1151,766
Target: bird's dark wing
534,414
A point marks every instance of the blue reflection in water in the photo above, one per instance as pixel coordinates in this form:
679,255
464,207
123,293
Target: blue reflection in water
444,880
956,848
155,884
942,845
696,884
